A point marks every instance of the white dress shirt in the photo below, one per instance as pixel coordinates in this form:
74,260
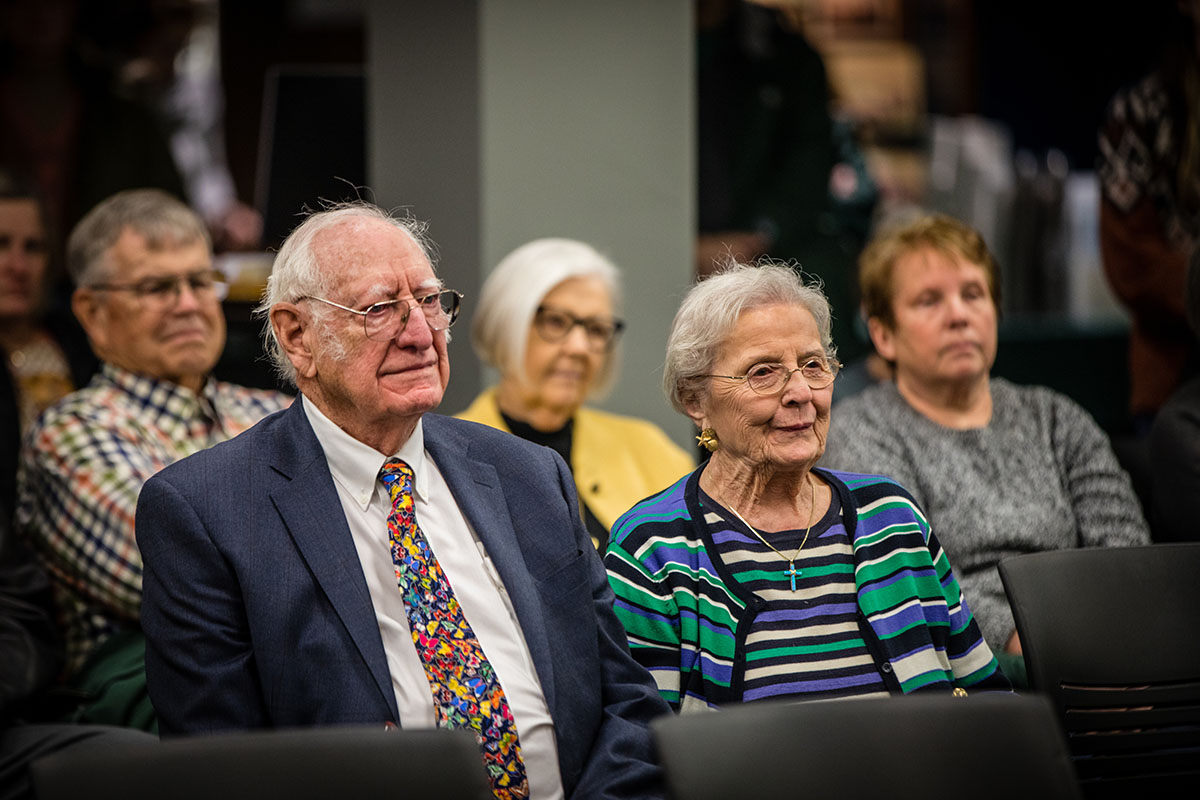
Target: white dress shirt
481,594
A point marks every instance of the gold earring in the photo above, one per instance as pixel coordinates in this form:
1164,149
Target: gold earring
708,440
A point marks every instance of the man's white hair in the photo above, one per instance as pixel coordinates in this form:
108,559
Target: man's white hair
296,274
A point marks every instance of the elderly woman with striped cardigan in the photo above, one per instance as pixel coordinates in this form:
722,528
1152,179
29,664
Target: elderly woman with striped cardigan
759,575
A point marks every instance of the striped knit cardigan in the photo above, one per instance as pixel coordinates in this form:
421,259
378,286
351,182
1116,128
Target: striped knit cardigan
687,617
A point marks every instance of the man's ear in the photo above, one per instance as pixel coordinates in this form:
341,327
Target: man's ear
883,337
293,333
90,310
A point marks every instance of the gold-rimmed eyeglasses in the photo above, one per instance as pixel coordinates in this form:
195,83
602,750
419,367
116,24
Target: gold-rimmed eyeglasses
383,321
771,377
163,291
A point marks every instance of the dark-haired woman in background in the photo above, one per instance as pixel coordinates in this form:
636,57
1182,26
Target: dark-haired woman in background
45,353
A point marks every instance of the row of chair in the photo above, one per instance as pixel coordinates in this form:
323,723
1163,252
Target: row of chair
1112,647
1112,637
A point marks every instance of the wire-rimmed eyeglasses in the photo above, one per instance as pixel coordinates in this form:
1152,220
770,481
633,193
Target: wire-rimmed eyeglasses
383,321
554,325
163,291
771,377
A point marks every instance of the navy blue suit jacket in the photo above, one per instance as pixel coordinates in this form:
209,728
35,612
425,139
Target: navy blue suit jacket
256,612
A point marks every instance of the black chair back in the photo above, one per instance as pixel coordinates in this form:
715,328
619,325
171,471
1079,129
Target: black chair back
292,765
985,746
1112,636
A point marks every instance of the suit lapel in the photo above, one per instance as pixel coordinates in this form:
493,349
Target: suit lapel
310,508
477,490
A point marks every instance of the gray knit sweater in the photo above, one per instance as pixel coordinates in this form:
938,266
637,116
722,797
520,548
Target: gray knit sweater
1040,476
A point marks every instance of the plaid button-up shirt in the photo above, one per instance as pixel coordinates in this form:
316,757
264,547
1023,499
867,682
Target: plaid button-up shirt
82,467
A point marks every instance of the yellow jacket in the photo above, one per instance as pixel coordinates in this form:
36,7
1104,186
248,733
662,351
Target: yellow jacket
616,460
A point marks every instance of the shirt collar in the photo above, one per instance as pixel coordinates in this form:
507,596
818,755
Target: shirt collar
165,405
356,466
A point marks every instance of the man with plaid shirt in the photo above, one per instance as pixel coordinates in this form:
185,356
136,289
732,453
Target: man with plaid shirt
150,302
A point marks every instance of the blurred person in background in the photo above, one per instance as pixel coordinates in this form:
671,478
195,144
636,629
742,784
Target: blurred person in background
164,54
150,302
1000,469
62,118
1149,171
46,355
1175,445
777,174
547,321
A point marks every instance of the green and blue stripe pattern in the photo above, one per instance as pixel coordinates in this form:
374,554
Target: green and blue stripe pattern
714,620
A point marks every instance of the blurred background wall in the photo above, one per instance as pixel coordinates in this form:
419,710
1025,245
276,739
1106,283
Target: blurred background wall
503,120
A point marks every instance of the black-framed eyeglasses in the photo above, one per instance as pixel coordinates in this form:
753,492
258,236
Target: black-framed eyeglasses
771,377
383,321
554,325
163,291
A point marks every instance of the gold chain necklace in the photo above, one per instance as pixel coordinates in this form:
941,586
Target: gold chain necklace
792,572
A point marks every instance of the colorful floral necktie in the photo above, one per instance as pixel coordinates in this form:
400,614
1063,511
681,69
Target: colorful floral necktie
466,689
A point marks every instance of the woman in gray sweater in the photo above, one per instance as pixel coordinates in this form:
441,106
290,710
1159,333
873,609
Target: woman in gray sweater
1000,469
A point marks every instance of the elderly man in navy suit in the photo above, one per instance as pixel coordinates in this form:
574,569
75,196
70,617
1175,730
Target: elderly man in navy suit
356,559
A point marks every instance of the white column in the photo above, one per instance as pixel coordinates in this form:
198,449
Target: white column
500,121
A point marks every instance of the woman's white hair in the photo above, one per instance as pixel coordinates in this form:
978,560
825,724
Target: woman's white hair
296,273
516,287
711,309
